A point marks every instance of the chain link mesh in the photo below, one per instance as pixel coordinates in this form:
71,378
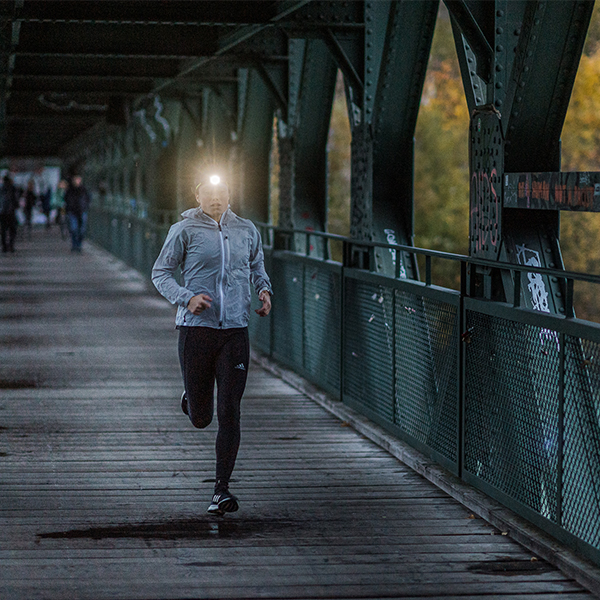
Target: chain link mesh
511,409
369,347
581,463
322,327
288,340
426,371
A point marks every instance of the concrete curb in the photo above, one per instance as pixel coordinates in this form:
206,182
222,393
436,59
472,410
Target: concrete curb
531,537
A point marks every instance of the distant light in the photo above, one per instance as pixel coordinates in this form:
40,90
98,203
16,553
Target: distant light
215,179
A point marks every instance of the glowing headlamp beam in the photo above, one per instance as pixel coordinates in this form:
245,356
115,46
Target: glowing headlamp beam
215,179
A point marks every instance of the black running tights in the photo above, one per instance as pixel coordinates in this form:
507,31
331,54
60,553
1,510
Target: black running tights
206,355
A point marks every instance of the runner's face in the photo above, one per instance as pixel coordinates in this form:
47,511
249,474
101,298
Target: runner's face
213,199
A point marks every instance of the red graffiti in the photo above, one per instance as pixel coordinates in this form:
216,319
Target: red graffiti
485,211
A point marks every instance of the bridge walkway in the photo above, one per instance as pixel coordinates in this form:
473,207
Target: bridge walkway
104,483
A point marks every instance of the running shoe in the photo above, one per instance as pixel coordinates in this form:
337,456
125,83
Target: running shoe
223,502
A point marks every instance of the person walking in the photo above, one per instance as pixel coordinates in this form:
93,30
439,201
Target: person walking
8,219
30,202
77,204
221,257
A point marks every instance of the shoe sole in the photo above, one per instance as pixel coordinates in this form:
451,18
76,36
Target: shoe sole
214,510
229,505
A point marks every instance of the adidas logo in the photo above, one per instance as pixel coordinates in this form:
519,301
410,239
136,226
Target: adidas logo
241,367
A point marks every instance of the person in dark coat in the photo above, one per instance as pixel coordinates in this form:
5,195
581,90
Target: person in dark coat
8,219
30,201
77,203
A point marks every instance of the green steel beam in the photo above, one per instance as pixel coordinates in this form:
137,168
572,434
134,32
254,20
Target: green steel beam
253,149
394,47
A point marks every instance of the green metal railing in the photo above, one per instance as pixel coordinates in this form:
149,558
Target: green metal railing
134,239
505,397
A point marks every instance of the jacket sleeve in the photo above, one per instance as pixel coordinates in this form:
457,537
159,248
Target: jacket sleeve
163,272
258,276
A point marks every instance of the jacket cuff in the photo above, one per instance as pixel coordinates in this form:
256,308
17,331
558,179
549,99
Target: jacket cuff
185,298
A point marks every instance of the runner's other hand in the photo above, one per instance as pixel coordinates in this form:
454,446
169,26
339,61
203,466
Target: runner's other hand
265,309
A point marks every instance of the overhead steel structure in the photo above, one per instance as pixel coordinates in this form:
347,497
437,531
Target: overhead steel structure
139,95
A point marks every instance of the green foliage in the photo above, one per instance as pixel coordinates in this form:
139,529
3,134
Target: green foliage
338,164
581,152
441,156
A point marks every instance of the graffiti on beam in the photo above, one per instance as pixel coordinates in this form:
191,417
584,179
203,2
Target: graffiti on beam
485,211
537,287
553,191
391,239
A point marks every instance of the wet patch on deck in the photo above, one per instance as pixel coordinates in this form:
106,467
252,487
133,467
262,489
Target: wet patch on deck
184,529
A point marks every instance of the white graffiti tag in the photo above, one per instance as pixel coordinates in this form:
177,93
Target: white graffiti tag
537,287
391,239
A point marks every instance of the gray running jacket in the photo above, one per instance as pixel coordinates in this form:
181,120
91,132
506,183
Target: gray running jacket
219,259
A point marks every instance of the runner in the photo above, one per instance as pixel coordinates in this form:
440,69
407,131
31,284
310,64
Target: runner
221,256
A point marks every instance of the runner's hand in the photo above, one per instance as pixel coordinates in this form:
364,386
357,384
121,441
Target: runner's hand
199,303
265,309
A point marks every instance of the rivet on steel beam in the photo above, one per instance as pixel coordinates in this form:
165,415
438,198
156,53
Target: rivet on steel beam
499,30
518,31
499,85
500,13
499,68
499,48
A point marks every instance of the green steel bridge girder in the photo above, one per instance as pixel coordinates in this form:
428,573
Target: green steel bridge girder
518,62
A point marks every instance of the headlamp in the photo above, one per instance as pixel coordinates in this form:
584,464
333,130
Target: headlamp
215,179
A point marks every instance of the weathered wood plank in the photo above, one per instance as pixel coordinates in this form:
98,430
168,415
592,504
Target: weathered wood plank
104,482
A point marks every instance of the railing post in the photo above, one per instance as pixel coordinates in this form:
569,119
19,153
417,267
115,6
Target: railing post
561,428
346,253
517,289
462,367
569,312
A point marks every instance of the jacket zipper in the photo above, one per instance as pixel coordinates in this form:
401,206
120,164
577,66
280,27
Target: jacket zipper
222,275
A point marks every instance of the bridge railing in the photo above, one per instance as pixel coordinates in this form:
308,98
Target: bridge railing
135,239
505,397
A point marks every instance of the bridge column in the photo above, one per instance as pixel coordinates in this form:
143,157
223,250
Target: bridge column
518,62
254,147
384,68
303,136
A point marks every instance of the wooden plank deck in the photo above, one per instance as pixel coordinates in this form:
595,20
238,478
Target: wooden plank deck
104,483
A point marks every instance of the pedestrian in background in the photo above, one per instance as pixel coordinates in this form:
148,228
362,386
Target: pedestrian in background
77,204
30,201
8,219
